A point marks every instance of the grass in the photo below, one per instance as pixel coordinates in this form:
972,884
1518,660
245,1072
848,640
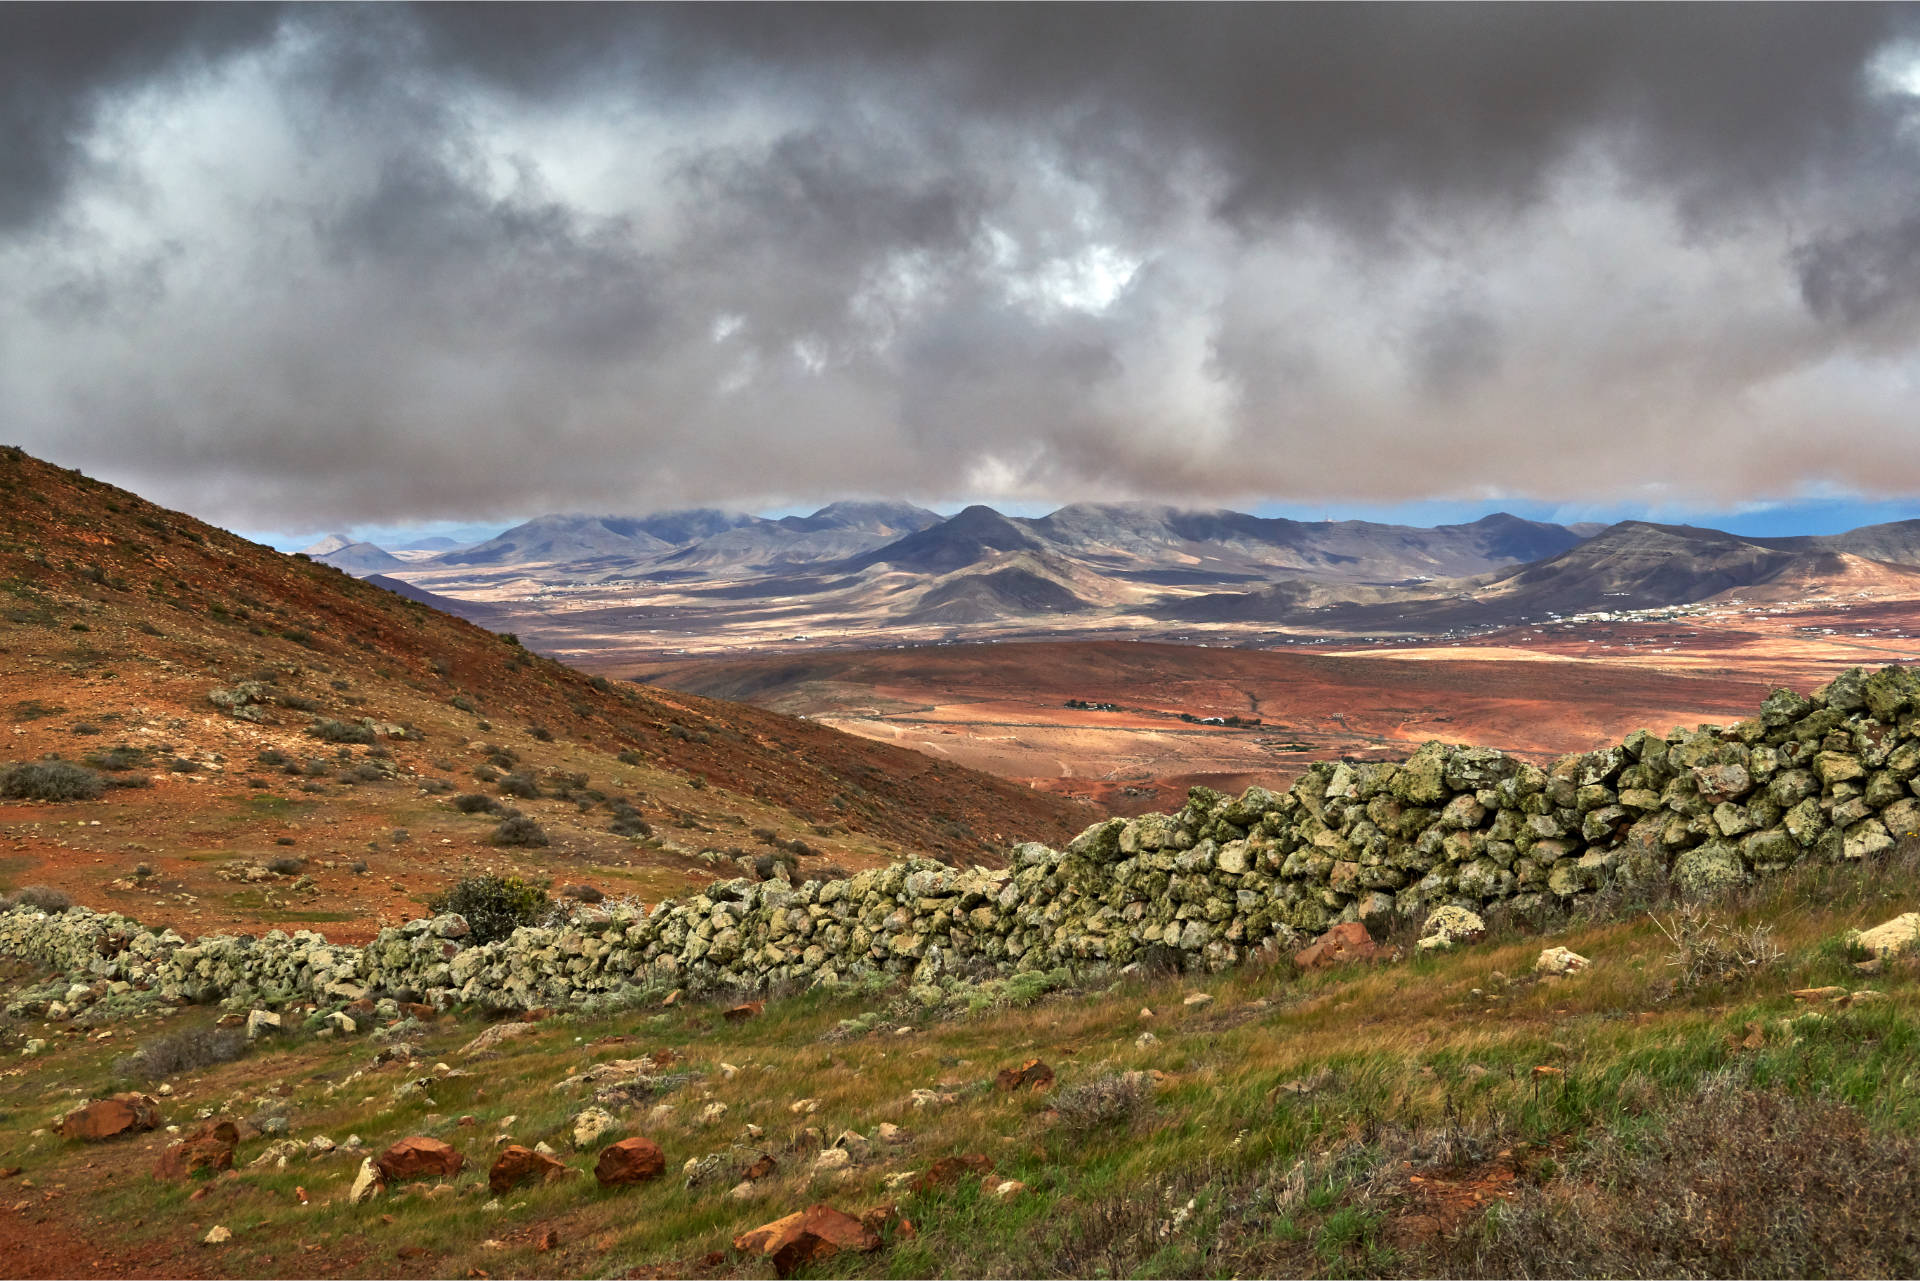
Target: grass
1292,1114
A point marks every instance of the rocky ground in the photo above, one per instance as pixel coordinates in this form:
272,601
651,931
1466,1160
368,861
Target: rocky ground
1371,1107
253,710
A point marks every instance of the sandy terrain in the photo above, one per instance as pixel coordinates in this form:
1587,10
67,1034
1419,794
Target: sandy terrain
1538,691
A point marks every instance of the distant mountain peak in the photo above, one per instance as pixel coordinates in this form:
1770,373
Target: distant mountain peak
328,545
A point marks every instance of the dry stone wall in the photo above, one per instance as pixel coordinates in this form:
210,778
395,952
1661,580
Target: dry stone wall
1832,776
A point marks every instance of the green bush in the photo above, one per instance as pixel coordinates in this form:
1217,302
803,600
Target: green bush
184,1051
520,830
494,906
45,897
50,781
332,731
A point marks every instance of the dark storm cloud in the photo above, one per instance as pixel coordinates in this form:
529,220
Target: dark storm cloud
381,262
58,60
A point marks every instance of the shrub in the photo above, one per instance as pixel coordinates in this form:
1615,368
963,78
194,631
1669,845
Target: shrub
44,897
1115,1096
494,906
297,703
435,786
50,781
118,758
519,830
630,757
285,866
540,733
273,756
475,803
521,785
464,703
583,894
1707,949
184,1051
627,821
181,765
1735,1181
328,730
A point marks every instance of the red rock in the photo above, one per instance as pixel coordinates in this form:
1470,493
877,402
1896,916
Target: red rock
761,1168
741,1013
632,1160
549,1240
1341,945
950,1169
1031,1075
419,1157
808,1236
515,1165
210,1147
105,1118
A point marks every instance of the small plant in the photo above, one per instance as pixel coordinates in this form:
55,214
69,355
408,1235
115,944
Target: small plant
286,866
520,830
627,821
475,803
494,906
183,1051
118,758
328,730
50,781
45,897
583,894
520,784
540,733
1103,1101
1707,949
630,757
463,703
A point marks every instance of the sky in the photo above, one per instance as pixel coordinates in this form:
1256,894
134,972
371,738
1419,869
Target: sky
394,269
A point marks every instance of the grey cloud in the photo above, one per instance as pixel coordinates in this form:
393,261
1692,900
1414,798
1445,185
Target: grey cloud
1863,276
58,60
464,261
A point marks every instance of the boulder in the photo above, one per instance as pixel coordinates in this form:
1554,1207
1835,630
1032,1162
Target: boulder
109,1118
809,1236
488,1043
209,1147
516,1165
1342,945
951,1169
1560,961
632,1160
418,1157
366,1184
1891,938
1032,1075
1448,926
592,1125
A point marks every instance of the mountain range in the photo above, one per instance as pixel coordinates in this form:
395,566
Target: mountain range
1092,565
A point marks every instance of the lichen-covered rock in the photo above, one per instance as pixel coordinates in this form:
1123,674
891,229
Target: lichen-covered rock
1448,927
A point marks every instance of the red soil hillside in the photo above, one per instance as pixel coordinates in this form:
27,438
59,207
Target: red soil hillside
118,620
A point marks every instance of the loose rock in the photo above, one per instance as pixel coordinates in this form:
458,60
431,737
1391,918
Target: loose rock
634,1160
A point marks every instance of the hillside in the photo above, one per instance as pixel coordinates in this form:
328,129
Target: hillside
1662,1040
351,712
